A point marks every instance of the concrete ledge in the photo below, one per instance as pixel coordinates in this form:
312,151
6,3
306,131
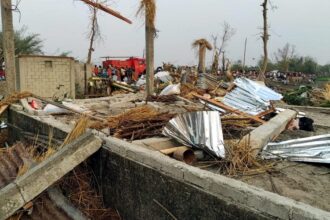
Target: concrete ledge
267,132
227,189
303,107
40,177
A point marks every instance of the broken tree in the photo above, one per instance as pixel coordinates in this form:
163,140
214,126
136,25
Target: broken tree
8,44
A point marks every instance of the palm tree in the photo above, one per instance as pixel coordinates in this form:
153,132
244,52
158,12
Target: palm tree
24,44
202,45
148,9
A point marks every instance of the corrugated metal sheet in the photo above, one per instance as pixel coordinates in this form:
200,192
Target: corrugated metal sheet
250,97
314,149
199,130
10,161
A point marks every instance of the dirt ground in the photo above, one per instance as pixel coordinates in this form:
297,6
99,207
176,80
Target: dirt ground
308,183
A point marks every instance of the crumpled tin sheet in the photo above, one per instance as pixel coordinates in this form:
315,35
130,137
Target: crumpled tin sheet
250,97
200,130
258,90
314,149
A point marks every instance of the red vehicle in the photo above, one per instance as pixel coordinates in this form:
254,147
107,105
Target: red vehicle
137,64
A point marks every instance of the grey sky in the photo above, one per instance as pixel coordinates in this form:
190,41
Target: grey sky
63,26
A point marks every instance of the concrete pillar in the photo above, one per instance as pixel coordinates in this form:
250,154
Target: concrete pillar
8,44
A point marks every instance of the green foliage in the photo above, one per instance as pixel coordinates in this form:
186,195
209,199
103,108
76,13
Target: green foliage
296,97
303,64
24,43
298,64
323,78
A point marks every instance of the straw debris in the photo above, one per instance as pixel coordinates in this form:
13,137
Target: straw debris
14,98
138,123
79,186
79,129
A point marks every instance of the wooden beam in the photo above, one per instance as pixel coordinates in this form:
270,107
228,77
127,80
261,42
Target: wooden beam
107,10
230,109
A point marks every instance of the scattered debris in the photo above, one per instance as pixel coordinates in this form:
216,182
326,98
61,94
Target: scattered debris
171,90
163,98
311,149
201,130
80,187
138,123
164,76
250,97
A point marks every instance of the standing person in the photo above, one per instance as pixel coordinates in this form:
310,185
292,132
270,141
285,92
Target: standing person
95,70
100,70
122,72
109,71
129,74
118,72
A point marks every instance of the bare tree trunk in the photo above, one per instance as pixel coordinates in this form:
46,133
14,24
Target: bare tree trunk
150,36
92,39
8,45
265,39
201,62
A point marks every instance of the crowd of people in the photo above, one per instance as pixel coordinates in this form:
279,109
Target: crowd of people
116,74
284,77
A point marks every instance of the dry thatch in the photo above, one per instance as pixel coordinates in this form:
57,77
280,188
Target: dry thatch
14,98
80,186
188,91
326,93
77,131
240,160
138,123
148,8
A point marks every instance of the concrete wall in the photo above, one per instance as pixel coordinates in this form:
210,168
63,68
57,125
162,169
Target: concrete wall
42,75
139,192
144,184
133,178
80,76
2,87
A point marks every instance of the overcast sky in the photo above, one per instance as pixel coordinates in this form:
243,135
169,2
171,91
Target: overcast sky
63,25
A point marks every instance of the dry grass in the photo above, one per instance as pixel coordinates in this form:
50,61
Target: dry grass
240,160
133,115
23,169
148,8
78,185
326,93
188,91
79,129
137,123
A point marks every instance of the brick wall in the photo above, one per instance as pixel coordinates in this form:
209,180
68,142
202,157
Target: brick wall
42,75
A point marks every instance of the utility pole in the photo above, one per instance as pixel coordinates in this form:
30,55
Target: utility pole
243,67
8,45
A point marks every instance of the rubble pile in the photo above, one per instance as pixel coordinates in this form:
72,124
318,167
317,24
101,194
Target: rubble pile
229,128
